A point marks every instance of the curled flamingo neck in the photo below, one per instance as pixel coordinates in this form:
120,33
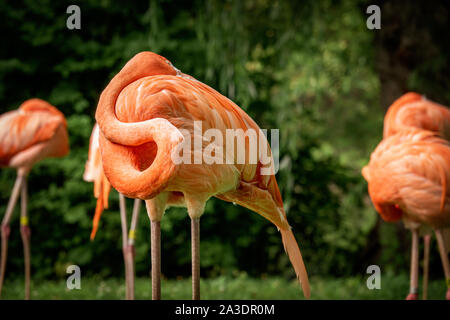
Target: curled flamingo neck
130,134
127,178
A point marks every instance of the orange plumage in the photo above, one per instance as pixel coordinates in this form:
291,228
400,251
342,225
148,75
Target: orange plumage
94,173
414,111
409,173
413,160
408,176
35,131
144,114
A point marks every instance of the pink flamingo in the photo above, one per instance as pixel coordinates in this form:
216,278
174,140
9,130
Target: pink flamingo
37,130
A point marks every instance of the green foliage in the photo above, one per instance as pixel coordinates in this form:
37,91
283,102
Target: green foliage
239,286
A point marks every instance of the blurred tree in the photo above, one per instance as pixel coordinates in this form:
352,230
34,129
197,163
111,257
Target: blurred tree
413,48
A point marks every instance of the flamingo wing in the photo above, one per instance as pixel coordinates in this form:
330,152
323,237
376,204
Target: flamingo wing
94,173
182,100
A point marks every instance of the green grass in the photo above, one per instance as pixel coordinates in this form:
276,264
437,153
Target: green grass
239,287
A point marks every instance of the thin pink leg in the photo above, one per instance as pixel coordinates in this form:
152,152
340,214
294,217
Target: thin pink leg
444,258
123,220
155,211
195,239
156,259
25,233
426,265
5,230
130,251
414,277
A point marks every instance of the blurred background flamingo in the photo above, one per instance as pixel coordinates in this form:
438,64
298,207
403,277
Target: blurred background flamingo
37,130
145,113
94,173
416,129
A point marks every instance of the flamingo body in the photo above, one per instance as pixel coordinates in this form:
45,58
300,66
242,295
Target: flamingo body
408,175
147,111
33,132
180,101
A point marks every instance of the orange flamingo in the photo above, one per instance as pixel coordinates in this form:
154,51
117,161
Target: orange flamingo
94,173
35,131
407,122
413,110
145,113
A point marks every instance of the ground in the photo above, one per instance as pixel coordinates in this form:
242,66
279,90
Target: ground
239,287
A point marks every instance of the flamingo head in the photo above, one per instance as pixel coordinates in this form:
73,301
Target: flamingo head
390,212
155,64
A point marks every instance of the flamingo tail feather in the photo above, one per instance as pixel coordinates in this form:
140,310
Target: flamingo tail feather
293,251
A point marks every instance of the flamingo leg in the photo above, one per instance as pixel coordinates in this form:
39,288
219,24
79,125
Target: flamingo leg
414,277
5,230
156,259
195,244
25,233
155,211
123,223
130,252
444,258
196,207
426,265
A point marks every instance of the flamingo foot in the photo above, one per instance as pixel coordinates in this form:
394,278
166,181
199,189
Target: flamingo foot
447,296
412,296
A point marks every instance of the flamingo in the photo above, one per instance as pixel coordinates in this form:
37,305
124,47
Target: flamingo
37,130
145,114
410,116
413,110
94,173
